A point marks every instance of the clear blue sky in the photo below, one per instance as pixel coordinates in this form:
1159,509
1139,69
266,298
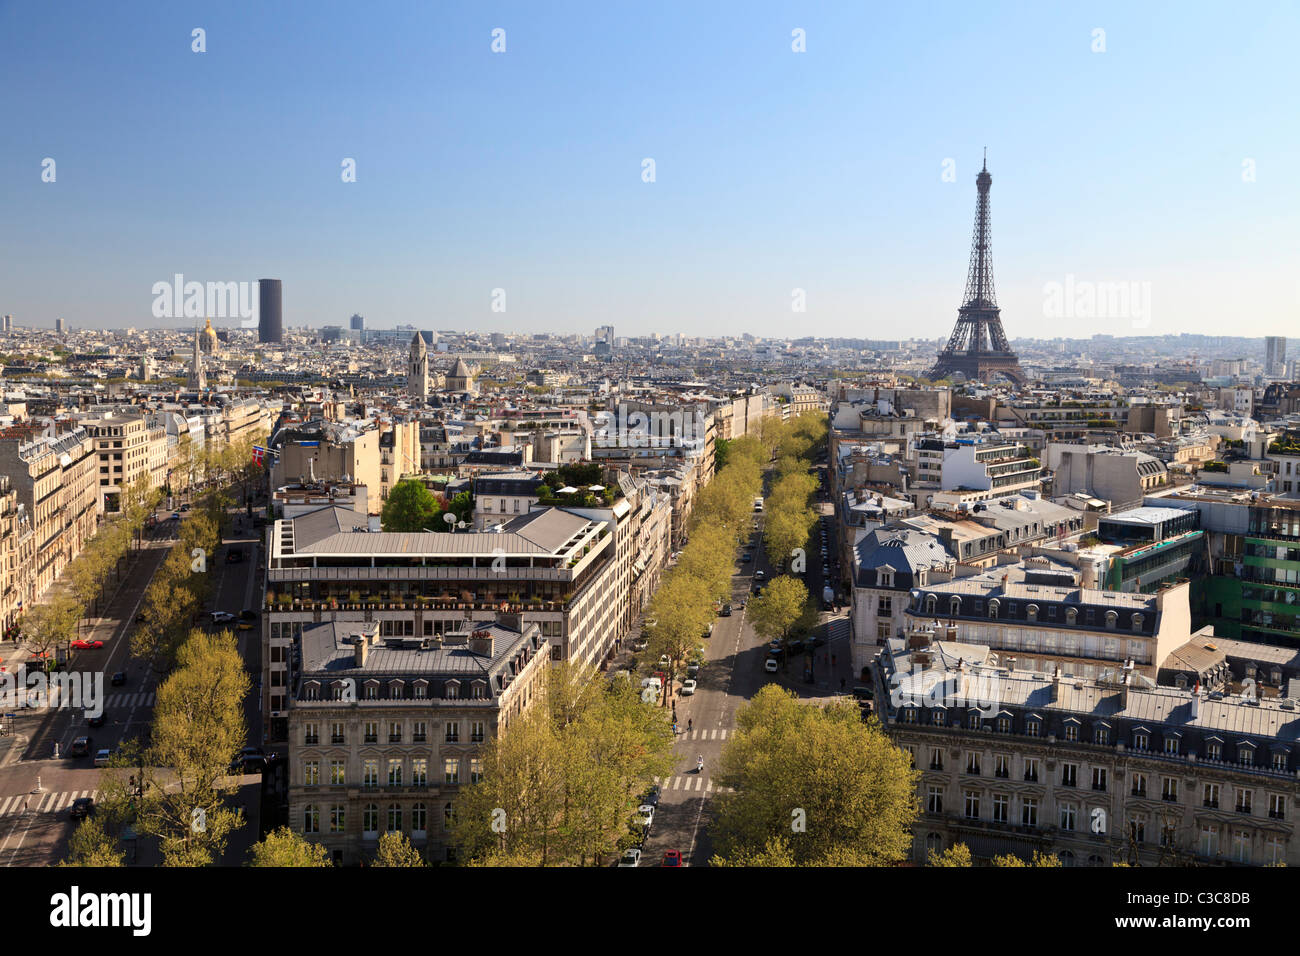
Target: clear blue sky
774,170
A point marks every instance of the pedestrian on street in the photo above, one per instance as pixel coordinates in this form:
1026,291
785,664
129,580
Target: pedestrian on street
674,728
690,723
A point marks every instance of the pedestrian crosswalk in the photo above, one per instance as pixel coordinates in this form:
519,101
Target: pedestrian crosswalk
692,782
124,701
703,734
51,801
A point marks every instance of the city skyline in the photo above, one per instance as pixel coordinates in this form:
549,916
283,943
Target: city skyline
523,170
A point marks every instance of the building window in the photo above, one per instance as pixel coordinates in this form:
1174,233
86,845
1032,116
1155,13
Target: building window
973,763
453,732
972,805
1137,828
1111,619
1213,750
1275,849
1245,800
477,730
1031,769
1141,741
1004,725
420,772
1067,816
1211,796
1071,615
1171,745
311,819
1001,807
311,773
1031,727
973,721
1028,812
1279,760
1031,612
370,820
1101,735
394,818
934,800
338,818
1002,765
451,770
337,772
883,629
395,732
370,773
1099,779
936,758
395,773
337,735
1169,789
993,608
419,732
1069,775
475,770
311,734
1209,839
1277,806
938,717
419,820
1139,785
1137,623
885,606
1072,733
372,732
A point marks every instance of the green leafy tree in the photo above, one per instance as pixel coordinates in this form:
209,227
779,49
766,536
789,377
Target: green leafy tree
410,507
90,845
283,847
831,784
396,850
778,609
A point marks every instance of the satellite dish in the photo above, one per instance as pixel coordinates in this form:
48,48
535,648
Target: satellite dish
449,518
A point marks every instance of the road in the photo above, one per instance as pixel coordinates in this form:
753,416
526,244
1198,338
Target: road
34,825
733,673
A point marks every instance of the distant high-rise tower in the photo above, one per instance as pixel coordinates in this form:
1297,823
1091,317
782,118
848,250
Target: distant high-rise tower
59,326
8,323
358,323
978,346
270,324
417,369
1274,354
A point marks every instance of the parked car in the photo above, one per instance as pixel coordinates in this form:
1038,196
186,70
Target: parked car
693,668
665,661
726,610
746,557
688,688
651,796
176,516
672,858
222,617
770,665
631,857
645,815
81,644
640,644
81,807
654,682
80,747
102,757
119,678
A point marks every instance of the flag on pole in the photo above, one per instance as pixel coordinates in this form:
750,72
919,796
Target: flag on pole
259,454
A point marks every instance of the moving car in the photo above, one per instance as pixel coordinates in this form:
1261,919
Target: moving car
222,617
247,619
81,807
87,645
759,575
102,757
96,721
672,858
631,857
688,688
747,557
726,610
80,747
770,665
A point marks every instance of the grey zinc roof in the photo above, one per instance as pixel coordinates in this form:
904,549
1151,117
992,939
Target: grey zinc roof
902,550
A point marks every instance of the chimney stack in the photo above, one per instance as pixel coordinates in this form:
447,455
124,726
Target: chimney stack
481,642
360,647
1056,684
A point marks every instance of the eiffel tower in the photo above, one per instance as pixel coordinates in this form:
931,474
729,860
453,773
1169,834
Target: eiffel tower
977,348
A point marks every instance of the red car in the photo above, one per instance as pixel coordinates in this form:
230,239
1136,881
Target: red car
672,858
84,645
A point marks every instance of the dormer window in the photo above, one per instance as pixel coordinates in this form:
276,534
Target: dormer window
1031,612
954,606
884,578
1111,619
1071,615
451,690
1137,623
1141,741
938,718
993,608
931,603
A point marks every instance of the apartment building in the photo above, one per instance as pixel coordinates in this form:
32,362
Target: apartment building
57,480
17,554
1120,477
127,443
399,454
1097,770
990,466
1046,618
329,451
562,569
383,731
